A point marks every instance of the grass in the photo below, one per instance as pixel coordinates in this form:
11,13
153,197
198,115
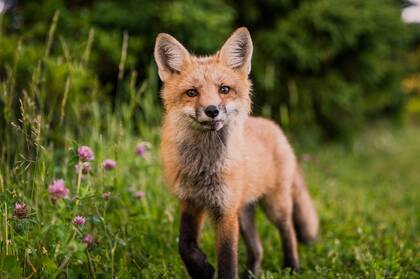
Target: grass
367,196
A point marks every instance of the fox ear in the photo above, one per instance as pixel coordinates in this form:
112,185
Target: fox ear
237,51
170,55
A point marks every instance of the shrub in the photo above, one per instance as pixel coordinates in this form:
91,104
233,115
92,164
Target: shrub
318,66
328,65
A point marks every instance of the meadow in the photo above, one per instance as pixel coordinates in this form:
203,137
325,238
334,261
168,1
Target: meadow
113,216
367,195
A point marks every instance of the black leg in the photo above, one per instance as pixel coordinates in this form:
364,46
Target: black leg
192,256
252,241
278,207
288,237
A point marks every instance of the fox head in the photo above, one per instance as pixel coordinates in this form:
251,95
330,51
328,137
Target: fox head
205,93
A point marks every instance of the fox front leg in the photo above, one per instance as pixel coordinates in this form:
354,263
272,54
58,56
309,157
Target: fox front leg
227,231
194,259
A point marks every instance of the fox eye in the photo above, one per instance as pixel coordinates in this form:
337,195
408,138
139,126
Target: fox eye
224,89
191,93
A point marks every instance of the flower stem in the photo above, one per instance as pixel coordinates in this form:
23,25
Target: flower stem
79,181
91,268
6,227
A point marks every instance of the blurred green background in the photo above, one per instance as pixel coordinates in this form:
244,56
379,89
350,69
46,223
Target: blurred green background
342,78
319,67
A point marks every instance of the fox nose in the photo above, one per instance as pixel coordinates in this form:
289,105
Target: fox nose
211,111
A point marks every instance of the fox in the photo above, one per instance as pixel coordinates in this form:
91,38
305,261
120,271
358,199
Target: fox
222,163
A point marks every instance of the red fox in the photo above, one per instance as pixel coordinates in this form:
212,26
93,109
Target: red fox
219,160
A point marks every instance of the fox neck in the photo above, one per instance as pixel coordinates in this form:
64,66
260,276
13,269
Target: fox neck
203,148
204,156
208,146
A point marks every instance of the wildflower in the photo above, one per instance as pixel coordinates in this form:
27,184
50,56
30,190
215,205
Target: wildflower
21,210
86,168
141,148
106,195
85,153
58,190
109,164
79,220
88,239
139,195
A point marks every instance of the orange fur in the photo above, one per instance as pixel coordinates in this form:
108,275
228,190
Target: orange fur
249,159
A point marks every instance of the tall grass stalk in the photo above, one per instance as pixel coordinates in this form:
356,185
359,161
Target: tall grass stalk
123,57
64,100
86,53
51,33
